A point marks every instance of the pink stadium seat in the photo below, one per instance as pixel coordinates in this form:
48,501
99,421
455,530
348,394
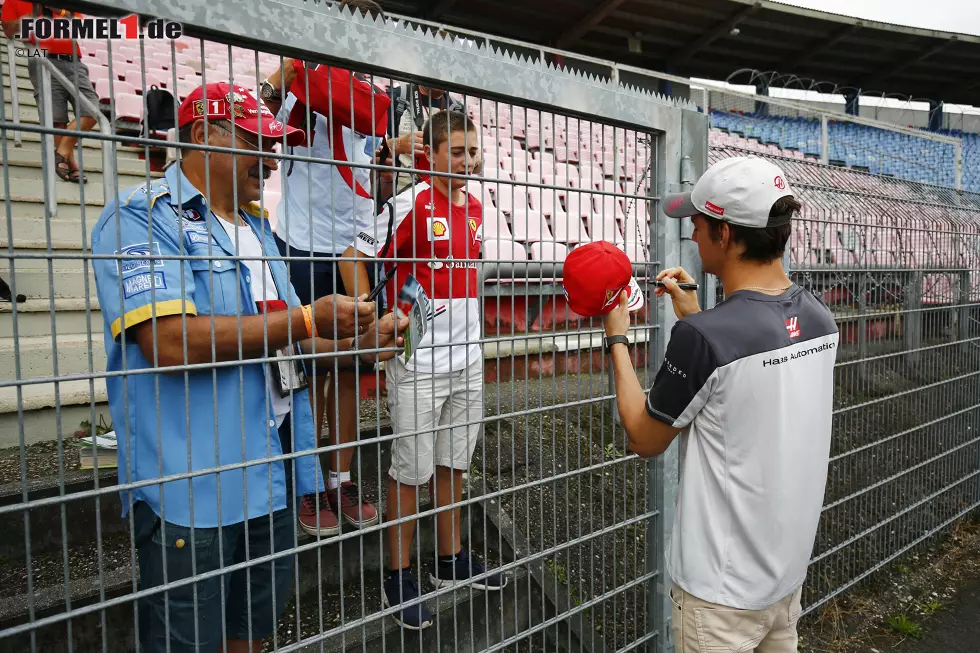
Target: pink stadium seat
495,225
102,89
633,229
542,200
507,196
591,177
530,226
503,250
609,205
569,229
603,226
554,252
129,106
637,251
578,204
96,72
527,176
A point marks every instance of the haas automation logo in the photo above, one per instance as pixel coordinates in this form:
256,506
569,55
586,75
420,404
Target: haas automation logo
793,327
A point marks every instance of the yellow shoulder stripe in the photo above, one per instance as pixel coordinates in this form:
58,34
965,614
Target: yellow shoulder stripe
147,311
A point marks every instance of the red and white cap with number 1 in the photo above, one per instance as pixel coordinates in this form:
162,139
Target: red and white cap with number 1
740,190
223,101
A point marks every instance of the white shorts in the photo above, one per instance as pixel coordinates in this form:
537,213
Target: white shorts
425,401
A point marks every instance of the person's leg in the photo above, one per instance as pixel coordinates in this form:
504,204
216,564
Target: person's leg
186,618
783,637
701,627
448,491
413,407
262,592
462,419
85,118
342,401
316,518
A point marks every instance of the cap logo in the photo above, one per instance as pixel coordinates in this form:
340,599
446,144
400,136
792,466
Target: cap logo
674,203
233,97
612,295
780,184
714,208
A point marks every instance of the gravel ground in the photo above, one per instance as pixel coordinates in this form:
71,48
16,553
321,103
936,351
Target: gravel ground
922,587
41,458
49,568
583,504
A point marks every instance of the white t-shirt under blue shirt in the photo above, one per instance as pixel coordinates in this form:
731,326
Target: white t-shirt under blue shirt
263,289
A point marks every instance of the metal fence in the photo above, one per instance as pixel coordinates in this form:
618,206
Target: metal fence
551,498
898,263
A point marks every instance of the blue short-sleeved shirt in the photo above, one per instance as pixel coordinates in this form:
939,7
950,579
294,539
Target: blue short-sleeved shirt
165,423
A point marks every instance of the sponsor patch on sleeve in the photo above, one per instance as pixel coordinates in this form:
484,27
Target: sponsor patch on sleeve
145,252
141,283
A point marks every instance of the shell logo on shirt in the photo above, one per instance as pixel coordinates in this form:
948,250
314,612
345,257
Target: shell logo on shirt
438,229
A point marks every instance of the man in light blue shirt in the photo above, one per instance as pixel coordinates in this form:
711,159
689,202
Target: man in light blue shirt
209,449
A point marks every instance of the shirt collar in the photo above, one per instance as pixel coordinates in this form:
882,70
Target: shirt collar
177,180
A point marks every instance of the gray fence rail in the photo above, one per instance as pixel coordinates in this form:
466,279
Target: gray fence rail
552,498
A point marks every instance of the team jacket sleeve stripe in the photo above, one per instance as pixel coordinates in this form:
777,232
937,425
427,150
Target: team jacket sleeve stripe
681,387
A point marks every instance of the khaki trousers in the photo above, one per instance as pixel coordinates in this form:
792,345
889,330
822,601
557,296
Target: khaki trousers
702,627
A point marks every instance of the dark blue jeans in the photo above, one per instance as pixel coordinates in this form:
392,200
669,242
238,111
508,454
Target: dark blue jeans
243,604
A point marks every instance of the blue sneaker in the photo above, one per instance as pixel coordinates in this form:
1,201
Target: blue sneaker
464,567
403,587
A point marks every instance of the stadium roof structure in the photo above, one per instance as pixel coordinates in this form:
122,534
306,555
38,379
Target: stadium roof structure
714,38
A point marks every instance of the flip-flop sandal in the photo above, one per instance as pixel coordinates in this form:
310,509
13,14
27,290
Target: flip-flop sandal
62,168
76,176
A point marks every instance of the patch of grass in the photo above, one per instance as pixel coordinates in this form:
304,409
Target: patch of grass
905,626
932,607
902,569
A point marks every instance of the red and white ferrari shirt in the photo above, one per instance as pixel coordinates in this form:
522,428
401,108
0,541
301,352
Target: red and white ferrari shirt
421,223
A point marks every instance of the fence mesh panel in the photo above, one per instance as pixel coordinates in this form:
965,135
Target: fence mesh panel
551,497
898,263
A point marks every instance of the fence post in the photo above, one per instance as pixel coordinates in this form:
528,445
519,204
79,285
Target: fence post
913,317
963,329
48,164
824,140
14,100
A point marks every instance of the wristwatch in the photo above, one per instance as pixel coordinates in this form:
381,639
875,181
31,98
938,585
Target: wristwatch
609,341
269,92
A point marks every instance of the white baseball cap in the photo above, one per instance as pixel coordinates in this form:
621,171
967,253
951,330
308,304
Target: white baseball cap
740,190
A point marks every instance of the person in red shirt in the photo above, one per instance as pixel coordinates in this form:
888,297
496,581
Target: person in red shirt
436,397
66,57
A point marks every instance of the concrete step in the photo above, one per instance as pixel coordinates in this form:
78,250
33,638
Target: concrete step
32,232
39,419
28,115
37,355
93,144
25,96
93,173
32,208
64,278
32,190
34,318
26,161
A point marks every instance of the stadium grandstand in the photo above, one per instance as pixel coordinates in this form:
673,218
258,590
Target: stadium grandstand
889,237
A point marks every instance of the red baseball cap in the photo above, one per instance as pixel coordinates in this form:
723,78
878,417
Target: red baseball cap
221,101
594,275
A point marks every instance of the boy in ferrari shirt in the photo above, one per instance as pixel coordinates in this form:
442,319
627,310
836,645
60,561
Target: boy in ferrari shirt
437,396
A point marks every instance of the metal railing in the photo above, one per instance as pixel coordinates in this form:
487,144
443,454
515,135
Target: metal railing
552,498
49,72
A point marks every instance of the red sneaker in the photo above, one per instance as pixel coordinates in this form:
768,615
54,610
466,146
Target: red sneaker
322,523
346,500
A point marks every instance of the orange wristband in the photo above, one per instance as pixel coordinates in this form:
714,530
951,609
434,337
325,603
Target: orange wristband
308,318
